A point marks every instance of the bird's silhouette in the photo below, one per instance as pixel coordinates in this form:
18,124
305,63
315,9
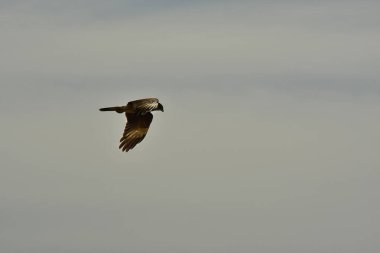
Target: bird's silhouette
139,117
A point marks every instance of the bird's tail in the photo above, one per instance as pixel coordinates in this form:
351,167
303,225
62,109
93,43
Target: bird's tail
118,109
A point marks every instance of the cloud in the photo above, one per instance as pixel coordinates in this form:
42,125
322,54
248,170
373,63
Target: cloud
245,40
269,136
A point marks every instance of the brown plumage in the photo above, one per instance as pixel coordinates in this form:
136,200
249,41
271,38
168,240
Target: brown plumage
139,117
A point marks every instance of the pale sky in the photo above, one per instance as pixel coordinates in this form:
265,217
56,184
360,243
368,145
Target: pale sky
269,141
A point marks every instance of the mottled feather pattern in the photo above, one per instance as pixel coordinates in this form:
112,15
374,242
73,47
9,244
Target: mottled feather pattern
145,105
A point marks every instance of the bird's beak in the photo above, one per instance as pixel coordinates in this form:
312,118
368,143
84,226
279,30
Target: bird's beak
161,108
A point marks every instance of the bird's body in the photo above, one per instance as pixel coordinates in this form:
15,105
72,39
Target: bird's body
139,117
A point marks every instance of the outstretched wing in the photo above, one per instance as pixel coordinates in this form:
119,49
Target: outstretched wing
145,105
135,130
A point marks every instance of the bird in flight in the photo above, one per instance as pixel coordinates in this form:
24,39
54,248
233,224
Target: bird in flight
139,117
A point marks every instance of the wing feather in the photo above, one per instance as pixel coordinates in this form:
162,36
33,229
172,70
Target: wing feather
145,105
135,130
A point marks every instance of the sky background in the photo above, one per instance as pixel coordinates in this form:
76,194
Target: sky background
269,141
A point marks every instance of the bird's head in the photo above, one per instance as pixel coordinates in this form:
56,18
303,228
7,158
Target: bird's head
160,107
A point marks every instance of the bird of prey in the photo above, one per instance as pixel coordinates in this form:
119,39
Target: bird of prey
139,117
